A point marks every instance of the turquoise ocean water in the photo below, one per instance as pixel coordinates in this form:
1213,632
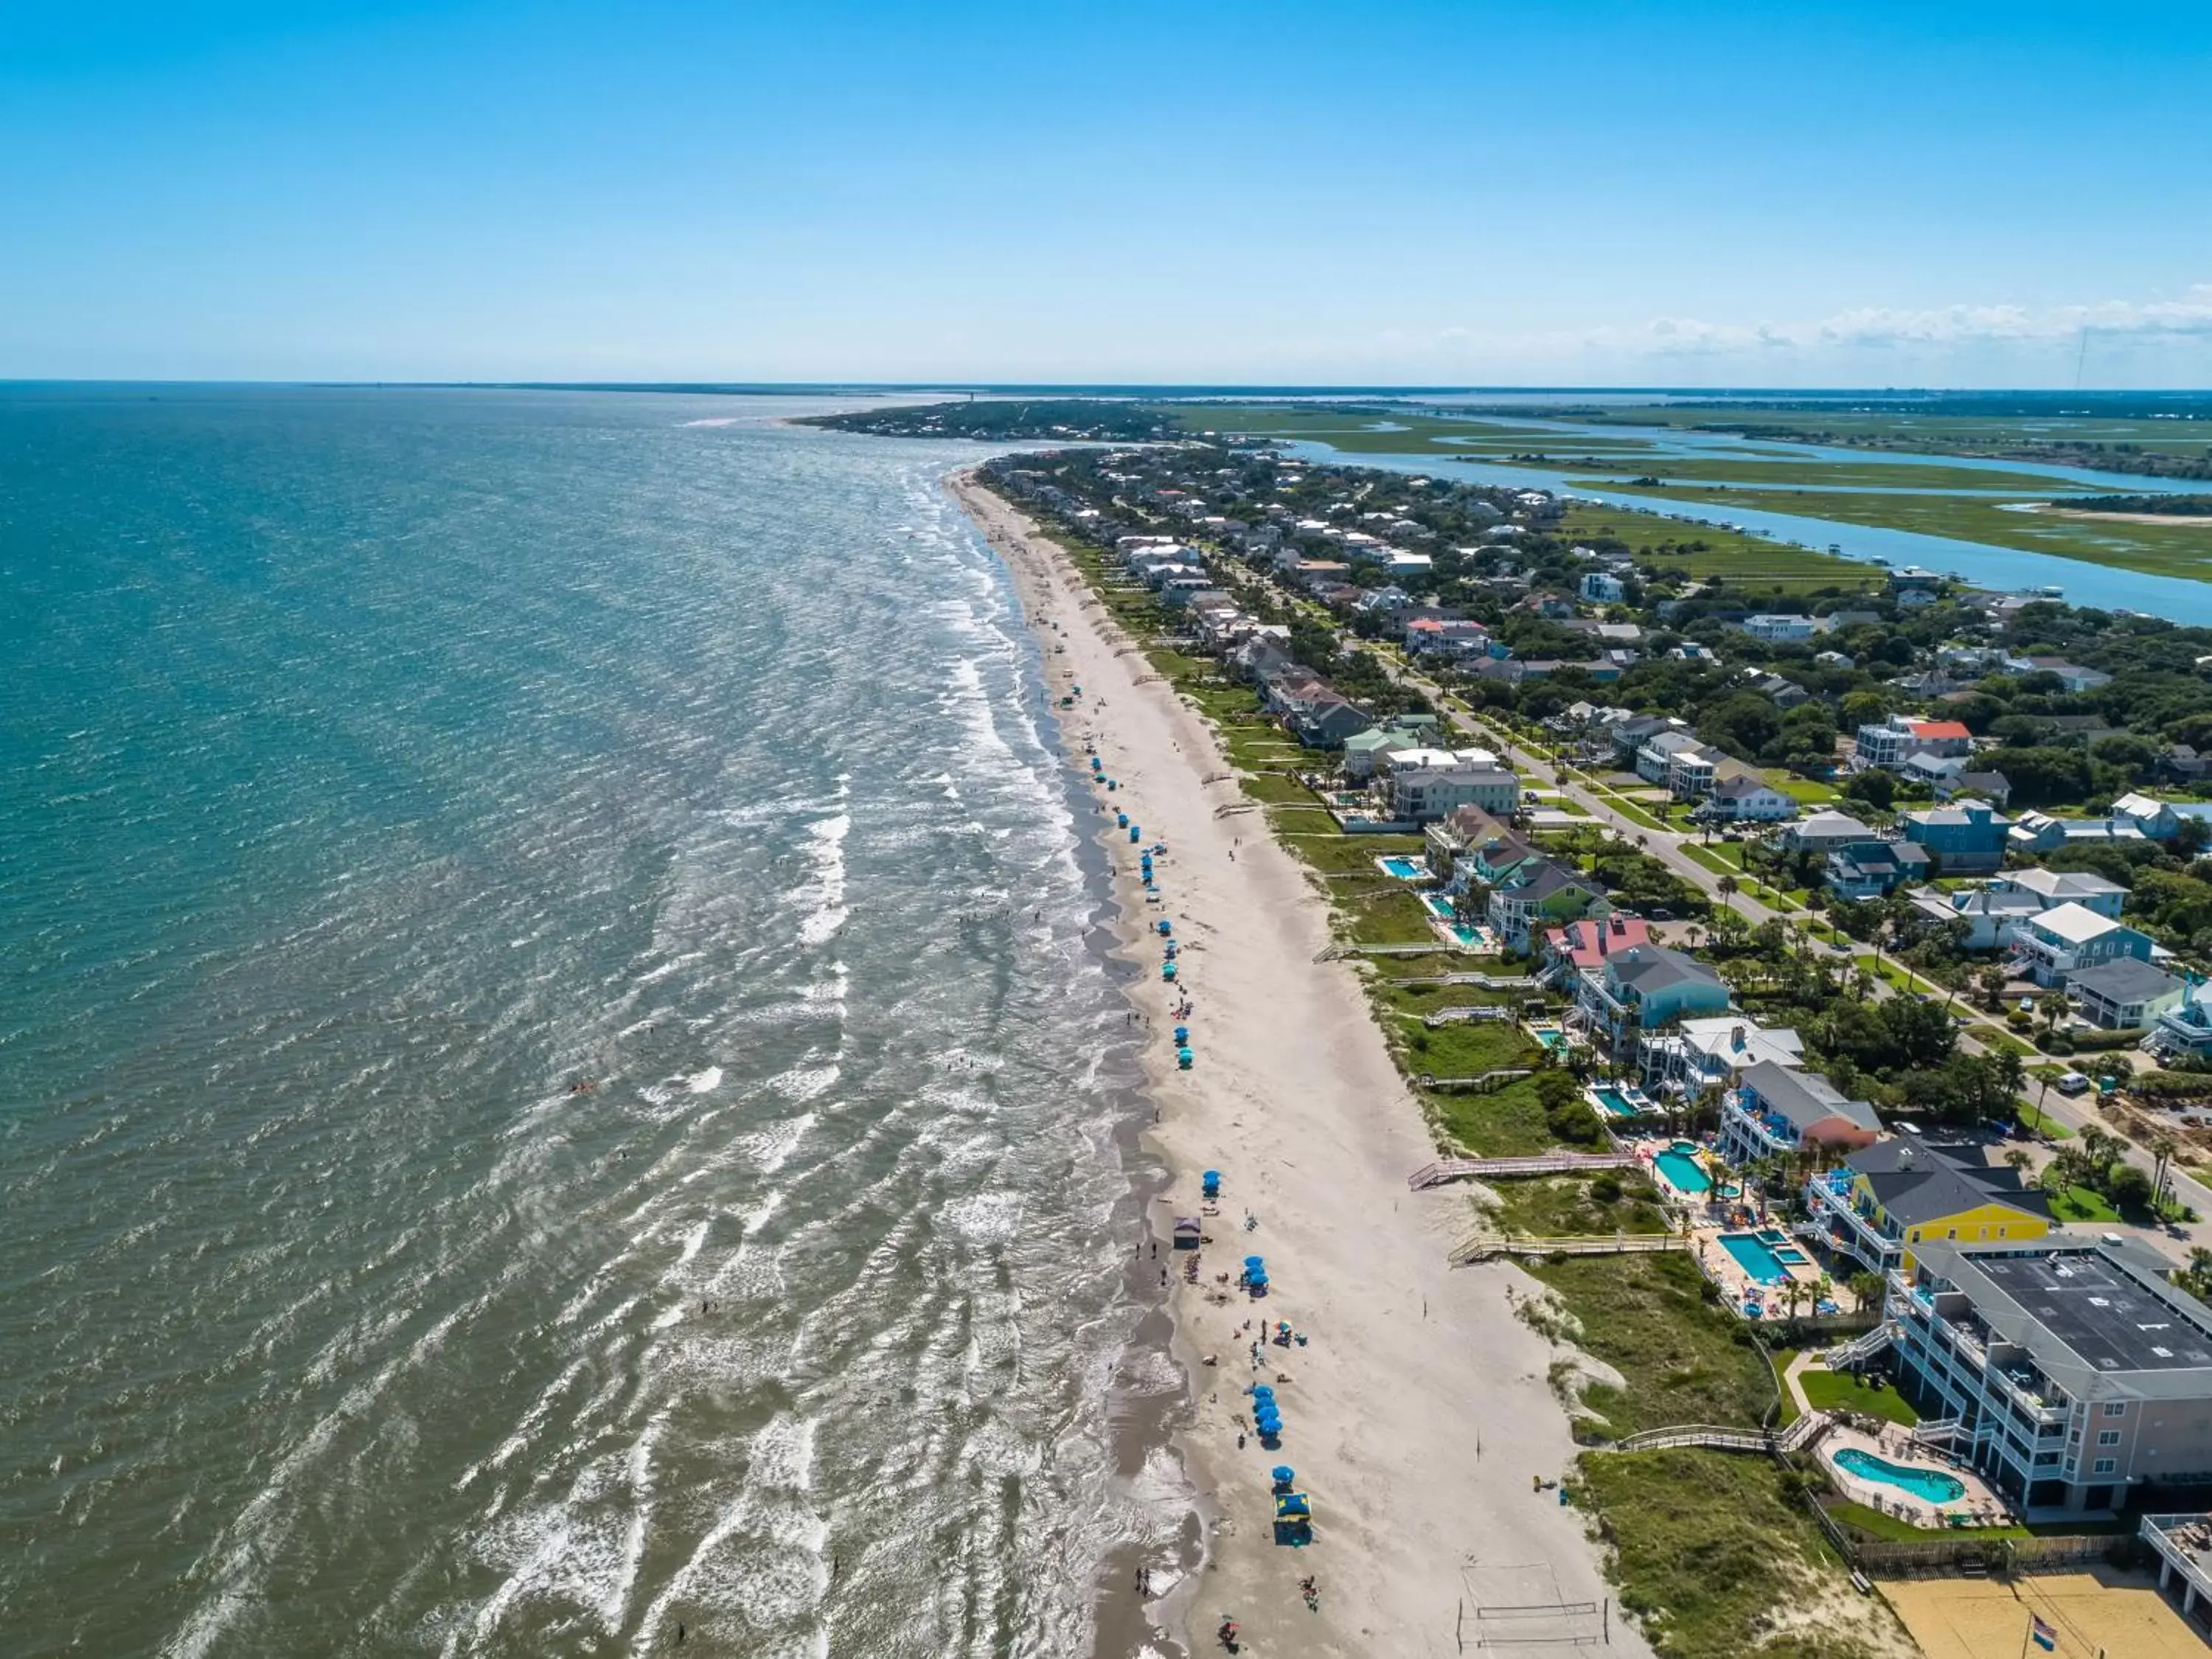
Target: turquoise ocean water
378,768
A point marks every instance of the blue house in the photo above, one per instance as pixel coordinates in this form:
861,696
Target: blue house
1966,838
1642,988
1869,869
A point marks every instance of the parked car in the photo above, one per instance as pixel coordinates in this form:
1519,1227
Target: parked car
2073,1083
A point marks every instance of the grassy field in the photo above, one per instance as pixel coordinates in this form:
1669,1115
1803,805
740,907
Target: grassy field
1334,852
1839,1391
2181,548
1744,561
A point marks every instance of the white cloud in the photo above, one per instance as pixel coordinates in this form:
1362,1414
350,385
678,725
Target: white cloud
2187,317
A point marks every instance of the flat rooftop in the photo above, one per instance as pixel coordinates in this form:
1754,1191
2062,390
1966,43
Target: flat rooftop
2106,1316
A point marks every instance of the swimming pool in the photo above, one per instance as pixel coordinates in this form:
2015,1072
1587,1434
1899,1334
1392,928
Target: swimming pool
1440,908
1403,868
1929,1485
1755,1257
1682,1170
1548,1036
1612,1101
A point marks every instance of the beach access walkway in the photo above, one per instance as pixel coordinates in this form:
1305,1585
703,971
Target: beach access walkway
1487,1247
1541,1164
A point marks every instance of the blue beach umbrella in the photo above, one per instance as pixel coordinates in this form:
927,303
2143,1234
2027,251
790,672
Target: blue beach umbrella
1284,1474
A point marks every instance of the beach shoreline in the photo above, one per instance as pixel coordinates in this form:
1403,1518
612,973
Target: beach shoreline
1418,1410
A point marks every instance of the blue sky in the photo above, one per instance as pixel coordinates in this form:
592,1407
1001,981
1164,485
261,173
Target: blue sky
1659,194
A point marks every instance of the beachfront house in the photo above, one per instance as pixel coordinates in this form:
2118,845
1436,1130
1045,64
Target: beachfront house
1869,869
2072,1373
1641,989
1566,952
1775,1111
1423,786
1365,751
1964,839
2123,994
1743,798
1537,894
1316,713
1881,1200
2061,941
1712,1051
1467,846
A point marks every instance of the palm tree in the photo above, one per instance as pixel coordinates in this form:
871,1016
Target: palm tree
1868,1287
1824,1290
2163,1145
1726,887
2017,1160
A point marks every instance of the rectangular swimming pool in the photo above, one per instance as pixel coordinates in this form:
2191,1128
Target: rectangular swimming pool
1755,1257
1404,869
1612,1101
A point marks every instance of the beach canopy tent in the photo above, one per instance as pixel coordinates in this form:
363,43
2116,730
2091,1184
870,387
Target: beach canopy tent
1293,1506
1210,1183
1188,1235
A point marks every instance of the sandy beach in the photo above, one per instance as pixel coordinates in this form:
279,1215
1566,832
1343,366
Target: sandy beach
1419,1409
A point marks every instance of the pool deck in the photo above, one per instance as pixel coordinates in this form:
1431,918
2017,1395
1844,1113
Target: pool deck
1979,1505
1735,1285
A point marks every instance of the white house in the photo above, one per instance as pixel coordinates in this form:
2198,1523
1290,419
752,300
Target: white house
1601,587
1779,630
1744,798
1657,752
2062,941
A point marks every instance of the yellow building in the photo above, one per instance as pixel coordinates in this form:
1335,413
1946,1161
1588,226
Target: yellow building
1883,1199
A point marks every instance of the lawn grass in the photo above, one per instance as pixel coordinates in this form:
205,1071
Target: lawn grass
1993,1037
1635,814
1685,1358
1891,1530
1840,1391
1710,1555
2080,1204
1807,791
1335,853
